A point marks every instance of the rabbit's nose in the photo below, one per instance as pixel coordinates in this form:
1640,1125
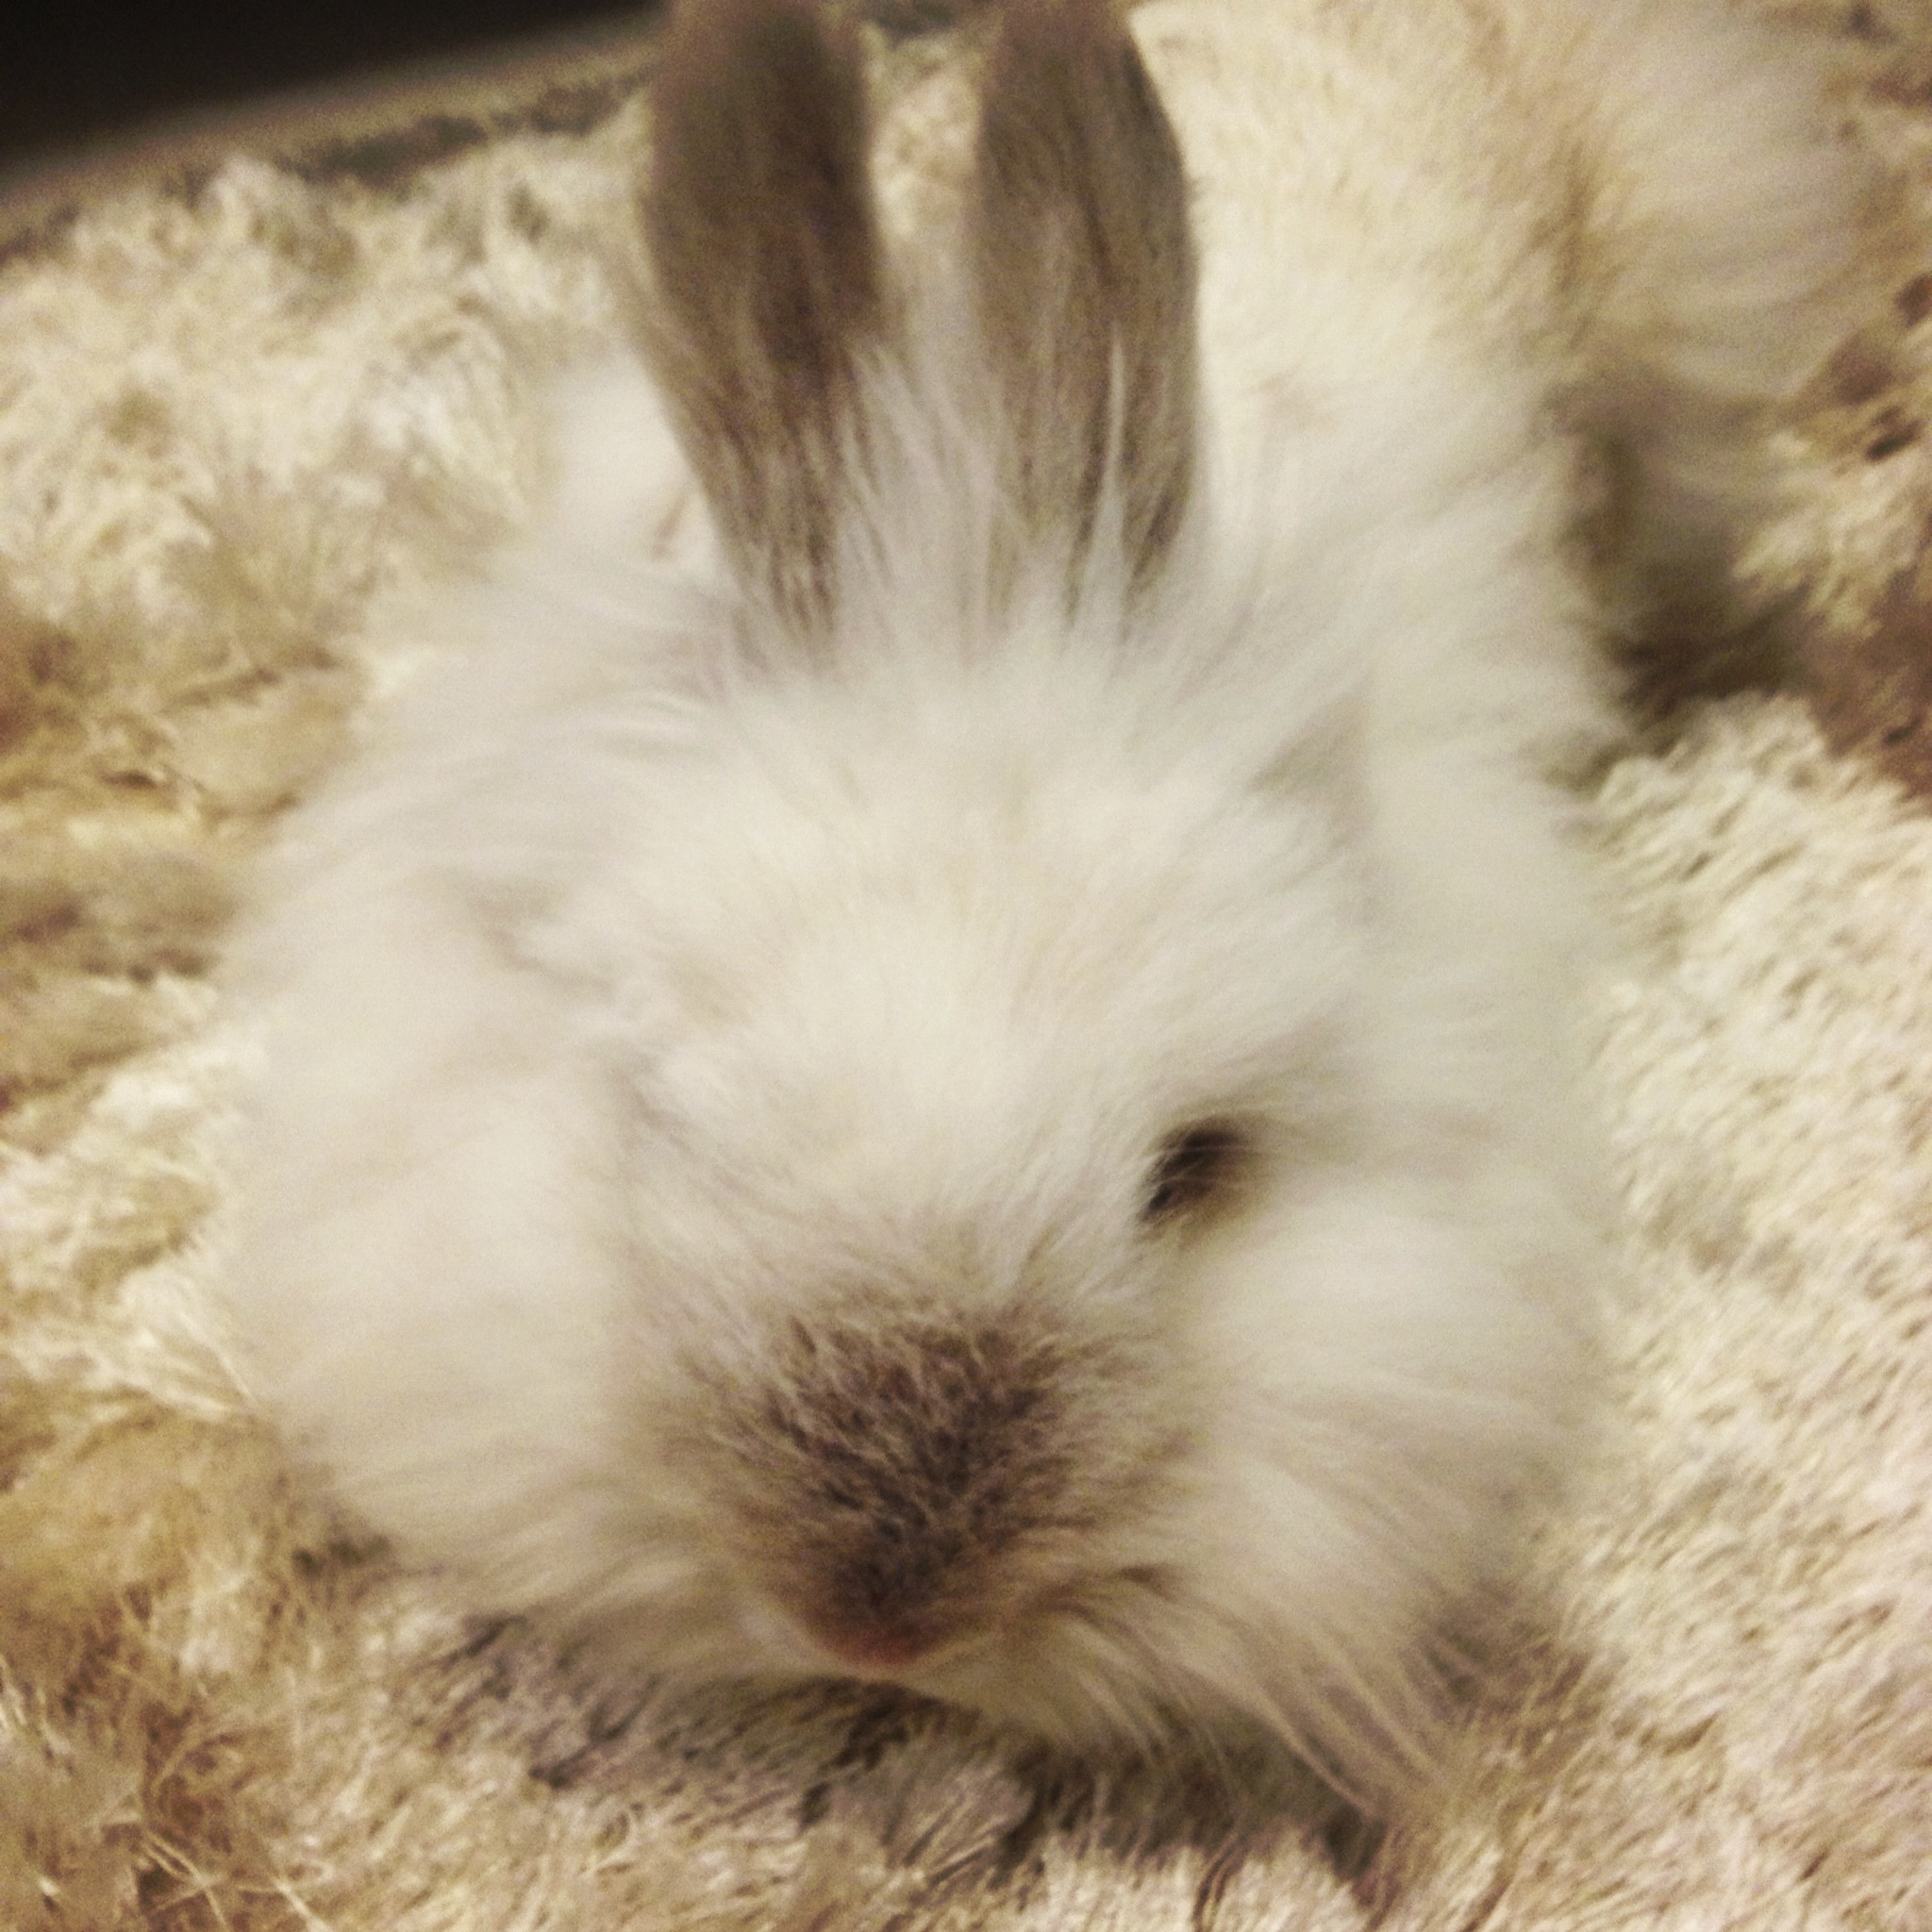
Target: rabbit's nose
887,1491
879,1602
876,1648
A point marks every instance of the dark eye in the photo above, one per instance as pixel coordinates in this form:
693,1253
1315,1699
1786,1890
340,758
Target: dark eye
1195,1167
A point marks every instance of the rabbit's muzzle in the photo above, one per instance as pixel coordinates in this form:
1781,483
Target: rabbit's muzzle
904,1489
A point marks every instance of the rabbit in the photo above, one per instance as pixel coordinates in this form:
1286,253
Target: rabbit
948,1052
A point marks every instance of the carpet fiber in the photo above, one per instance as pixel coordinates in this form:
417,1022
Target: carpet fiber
249,405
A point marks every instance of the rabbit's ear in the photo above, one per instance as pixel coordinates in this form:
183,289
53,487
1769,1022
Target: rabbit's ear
1084,264
764,246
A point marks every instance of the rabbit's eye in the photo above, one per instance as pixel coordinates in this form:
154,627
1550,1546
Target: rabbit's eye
1196,1167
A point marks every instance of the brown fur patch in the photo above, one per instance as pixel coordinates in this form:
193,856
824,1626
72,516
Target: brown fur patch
886,1471
760,230
1085,269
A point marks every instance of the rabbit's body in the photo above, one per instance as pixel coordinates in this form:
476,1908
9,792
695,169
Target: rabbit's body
968,1075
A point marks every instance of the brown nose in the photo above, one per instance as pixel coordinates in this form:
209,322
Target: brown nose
874,1647
885,1477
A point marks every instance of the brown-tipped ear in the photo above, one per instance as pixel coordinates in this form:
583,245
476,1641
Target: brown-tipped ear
1085,266
759,228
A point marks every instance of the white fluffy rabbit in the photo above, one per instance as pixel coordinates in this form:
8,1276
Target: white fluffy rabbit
967,1075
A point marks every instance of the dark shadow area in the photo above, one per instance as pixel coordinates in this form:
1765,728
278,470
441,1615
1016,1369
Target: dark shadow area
77,75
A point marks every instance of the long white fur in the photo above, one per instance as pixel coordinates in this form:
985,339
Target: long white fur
617,1002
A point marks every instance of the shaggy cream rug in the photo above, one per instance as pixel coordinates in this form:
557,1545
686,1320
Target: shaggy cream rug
247,403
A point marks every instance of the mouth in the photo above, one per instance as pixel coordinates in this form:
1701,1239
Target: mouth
942,1649
882,1649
